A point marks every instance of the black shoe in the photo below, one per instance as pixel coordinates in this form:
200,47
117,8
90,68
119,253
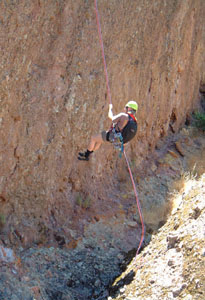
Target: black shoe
83,158
82,154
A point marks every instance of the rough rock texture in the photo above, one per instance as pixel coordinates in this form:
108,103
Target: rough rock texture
173,265
66,225
53,97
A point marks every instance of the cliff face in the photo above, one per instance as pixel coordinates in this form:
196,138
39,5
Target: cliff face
53,97
172,266
93,270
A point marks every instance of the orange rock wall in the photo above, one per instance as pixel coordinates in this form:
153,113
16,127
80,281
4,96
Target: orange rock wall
53,97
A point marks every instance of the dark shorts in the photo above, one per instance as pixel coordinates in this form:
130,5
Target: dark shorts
107,136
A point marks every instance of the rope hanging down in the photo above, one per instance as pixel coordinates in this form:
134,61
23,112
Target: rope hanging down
138,204
109,95
103,53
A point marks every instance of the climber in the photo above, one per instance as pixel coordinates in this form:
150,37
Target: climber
123,129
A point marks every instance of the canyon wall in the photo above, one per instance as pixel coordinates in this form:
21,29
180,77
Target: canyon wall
53,98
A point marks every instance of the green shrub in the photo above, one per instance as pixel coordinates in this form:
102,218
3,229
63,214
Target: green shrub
86,203
79,200
2,221
83,202
199,120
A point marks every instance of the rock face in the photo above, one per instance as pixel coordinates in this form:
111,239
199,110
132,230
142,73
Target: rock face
53,97
172,266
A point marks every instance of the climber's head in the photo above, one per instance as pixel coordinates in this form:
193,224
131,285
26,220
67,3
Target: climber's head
132,106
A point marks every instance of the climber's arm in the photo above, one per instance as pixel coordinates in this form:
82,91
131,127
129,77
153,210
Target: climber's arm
110,113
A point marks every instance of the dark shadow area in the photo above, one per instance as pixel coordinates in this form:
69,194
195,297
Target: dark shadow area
114,289
202,95
128,257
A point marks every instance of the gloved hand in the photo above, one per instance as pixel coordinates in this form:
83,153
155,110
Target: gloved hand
110,106
110,114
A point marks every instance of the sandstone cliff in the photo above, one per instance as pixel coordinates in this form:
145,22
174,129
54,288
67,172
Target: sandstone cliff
53,97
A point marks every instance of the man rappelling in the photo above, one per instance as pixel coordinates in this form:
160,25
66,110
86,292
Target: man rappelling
123,129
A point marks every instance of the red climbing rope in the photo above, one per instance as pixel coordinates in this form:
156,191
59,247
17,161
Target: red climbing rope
103,53
138,204
109,95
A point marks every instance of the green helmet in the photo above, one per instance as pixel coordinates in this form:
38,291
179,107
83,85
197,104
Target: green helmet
132,104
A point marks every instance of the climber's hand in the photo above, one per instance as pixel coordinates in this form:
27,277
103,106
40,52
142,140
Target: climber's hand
110,114
110,106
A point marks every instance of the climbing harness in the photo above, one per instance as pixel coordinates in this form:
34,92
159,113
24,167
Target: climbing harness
109,96
117,140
